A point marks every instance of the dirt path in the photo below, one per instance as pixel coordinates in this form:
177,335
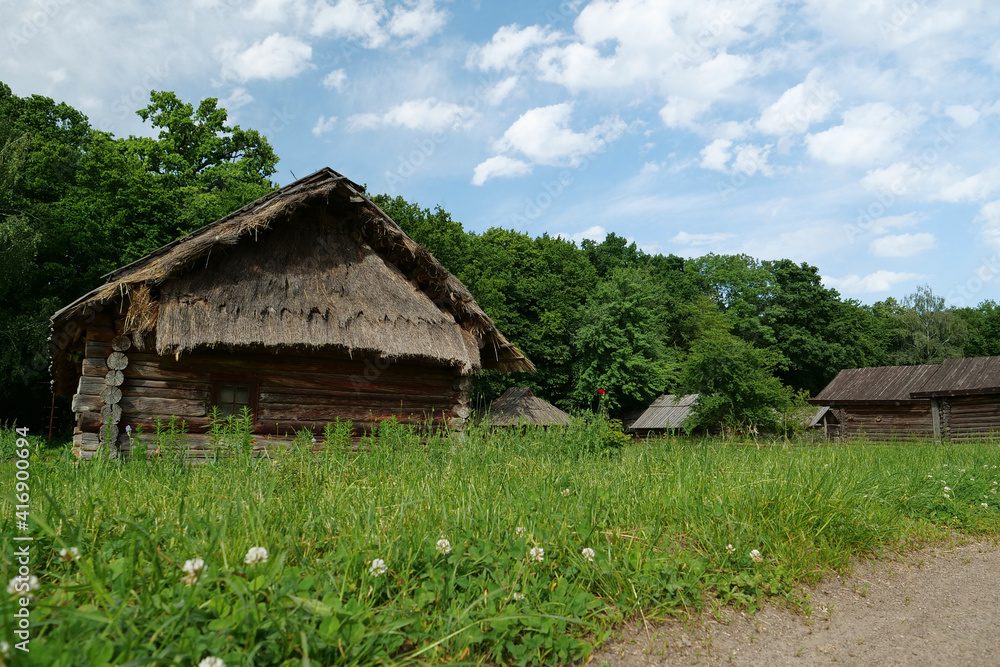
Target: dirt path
937,607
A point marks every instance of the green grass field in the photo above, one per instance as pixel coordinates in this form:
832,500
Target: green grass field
496,547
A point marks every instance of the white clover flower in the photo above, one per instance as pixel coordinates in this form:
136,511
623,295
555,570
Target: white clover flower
984,504
756,557
378,568
588,553
443,546
537,554
730,549
518,596
69,555
194,568
256,555
930,476
519,531
5,649
212,661
947,488
18,582
993,491
565,492
994,483
947,496
961,470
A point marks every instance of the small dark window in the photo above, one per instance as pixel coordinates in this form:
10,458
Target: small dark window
233,397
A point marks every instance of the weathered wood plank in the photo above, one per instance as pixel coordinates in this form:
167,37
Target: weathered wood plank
153,405
87,403
95,367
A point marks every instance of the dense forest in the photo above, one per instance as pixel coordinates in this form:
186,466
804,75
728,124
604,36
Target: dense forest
77,202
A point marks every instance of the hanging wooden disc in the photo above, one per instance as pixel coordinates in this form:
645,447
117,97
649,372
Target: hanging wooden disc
117,361
112,413
114,378
111,395
121,343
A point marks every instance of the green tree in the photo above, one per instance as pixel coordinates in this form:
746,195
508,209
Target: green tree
85,203
983,326
736,384
619,344
927,331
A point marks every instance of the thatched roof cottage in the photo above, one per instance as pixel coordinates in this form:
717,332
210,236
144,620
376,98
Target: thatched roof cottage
307,305
519,406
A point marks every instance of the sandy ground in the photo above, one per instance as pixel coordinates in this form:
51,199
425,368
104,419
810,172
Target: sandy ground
939,606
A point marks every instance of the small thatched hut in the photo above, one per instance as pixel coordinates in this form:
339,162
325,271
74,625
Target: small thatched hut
518,406
305,306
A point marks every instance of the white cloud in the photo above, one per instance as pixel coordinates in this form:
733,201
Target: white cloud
508,45
798,108
993,57
684,238
880,281
680,112
595,233
716,155
893,25
499,166
888,223
276,57
544,137
498,93
902,245
746,159
679,48
335,80
418,23
944,183
360,20
989,216
238,98
428,115
870,133
750,159
274,11
324,125
964,115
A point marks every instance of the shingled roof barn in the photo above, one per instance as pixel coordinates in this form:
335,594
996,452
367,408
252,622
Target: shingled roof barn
876,403
519,405
964,397
306,305
665,414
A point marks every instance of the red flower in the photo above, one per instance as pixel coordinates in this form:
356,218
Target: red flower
601,392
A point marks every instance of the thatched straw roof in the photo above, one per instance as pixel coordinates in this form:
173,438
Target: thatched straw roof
313,265
518,405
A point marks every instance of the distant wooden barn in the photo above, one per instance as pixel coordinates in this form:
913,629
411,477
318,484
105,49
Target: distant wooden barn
667,413
876,403
519,406
307,305
964,397
958,399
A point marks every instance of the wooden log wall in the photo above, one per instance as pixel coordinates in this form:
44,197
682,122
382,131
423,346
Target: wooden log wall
884,423
970,418
295,392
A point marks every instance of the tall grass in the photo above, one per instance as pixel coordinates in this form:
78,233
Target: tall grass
670,525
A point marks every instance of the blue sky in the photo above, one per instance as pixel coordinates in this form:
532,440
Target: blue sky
860,136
